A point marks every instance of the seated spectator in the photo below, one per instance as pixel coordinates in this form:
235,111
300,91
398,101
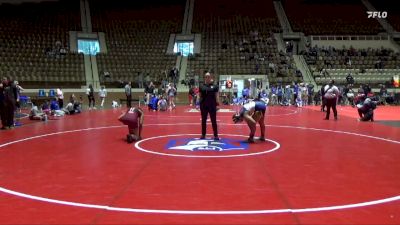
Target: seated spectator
162,104
36,114
153,103
72,108
114,104
69,108
63,51
298,73
55,108
350,79
46,107
391,98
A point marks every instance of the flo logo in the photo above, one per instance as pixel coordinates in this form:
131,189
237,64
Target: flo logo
375,14
190,144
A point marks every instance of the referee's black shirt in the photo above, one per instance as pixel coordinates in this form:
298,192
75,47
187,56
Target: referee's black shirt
207,94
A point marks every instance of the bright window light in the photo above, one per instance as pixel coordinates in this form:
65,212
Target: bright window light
185,48
88,46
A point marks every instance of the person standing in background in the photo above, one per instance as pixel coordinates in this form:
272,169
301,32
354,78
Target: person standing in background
323,100
140,79
10,102
171,93
149,91
209,100
60,97
2,110
331,97
128,93
102,95
90,94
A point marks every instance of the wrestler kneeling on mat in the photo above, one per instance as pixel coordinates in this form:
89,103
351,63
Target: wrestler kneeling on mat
134,119
253,113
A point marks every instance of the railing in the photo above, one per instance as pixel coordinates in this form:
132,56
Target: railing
350,37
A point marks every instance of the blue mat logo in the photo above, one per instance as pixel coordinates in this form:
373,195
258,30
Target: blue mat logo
194,144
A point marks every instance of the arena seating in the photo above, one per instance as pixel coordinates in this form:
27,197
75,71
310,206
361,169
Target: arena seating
236,39
137,36
314,17
239,40
392,9
372,66
31,36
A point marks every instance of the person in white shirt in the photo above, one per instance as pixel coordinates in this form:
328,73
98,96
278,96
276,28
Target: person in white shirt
36,114
60,97
102,95
162,104
331,96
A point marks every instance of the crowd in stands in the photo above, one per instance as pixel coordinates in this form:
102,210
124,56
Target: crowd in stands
369,65
254,53
382,58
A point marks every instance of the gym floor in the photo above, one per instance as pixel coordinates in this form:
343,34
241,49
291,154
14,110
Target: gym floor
78,169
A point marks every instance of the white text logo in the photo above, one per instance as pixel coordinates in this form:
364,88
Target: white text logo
374,14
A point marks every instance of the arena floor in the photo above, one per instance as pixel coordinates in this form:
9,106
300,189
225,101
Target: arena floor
79,170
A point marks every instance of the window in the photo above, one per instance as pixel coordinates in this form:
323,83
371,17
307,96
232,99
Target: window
88,46
185,48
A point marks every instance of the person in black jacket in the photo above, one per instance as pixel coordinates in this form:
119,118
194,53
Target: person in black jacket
2,111
90,94
9,103
208,105
323,100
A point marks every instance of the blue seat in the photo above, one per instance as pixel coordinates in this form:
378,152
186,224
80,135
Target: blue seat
42,93
52,93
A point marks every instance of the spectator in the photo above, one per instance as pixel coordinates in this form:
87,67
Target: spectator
350,79
149,91
60,97
102,95
36,114
162,104
140,79
90,94
128,93
10,101
331,96
171,93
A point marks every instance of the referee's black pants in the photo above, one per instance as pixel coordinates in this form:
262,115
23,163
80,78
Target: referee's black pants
3,115
331,103
205,110
128,101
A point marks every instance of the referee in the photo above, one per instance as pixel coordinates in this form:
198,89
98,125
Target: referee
208,105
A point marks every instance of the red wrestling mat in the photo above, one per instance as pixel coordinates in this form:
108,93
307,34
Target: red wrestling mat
79,170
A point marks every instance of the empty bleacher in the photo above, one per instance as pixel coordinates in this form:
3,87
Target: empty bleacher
31,35
393,11
344,17
238,39
137,35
